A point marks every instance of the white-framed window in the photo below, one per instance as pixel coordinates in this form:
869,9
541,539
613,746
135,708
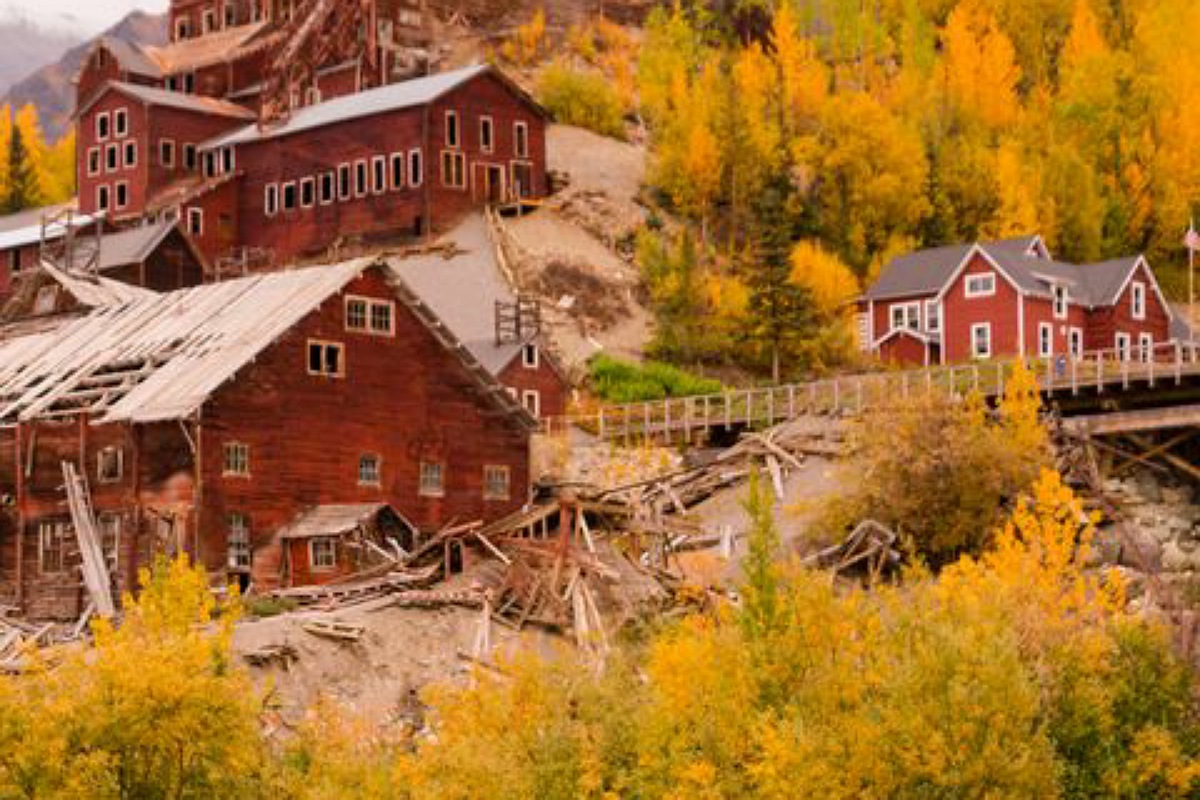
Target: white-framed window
432,479
981,340
322,554
289,196
166,153
238,542
110,464
905,316
532,400
131,155
1061,300
360,178
122,192
210,164
208,21
397,171
379,174
308,192
369,469
487,134
53,536
271,199
1075,338
521,139
195,221
236,459
1137,296
228,160
454,170
230,15
312,96
112,158
933,316
1045,339
120,123
530,358
497,482
326,359
93,162
344,186
416,168
1146,347
102,197
103,126
328,188
453,134
982,285
367,315
183,28
1123,341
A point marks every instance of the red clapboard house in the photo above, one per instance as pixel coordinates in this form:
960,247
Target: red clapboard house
258,424
1011,298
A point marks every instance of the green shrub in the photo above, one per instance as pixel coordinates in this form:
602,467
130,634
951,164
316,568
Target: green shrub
268,606
616,381
584,99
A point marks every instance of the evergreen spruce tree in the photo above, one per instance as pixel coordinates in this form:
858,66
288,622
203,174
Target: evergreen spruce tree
780,310
22,191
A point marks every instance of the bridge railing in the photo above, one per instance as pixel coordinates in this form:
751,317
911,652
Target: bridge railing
761,407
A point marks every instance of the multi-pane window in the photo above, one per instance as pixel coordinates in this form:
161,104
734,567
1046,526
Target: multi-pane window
397,171
1123,341
1146,346
236,459
981,285
1060,302
1138,299
496,482
110,464
532,400
906,316
369,469
110,540
325,358
487,137
521,139
1076,343
933,316
52,545
416,168
370,316
1045,339
379,174
454,170
981,340
239,542
432,479
322,553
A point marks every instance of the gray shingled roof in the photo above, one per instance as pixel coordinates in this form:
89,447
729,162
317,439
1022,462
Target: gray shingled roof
926,272
186,102
416,92
463,291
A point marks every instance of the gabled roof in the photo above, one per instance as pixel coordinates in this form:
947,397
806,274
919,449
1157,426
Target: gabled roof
463,290
132,58
1181,330
131,246
397,96
25,228
160,357
1024,261
332,520
161,97
202,51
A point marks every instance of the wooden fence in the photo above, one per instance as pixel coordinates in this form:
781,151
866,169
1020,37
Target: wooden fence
686,417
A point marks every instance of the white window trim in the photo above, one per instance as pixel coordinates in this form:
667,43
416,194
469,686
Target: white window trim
402,160
378,479
1075,335
283,195
323,373
100,476
497,468
104,191
312,184
361,187
518,150
490,145
930,318
103,136
312,554
1045,340
379,169
235,473
122,130
1062,301
532,400
332,197
904,308
972,294
1137,300
454,156
271,199
1145,347
195,221
976,328
126,149
112,164
117,195
95,167
429,491
535,361
166,153
1124,346
346,169
457,141
370,304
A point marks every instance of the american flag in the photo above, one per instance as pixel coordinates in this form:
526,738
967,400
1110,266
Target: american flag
1192,240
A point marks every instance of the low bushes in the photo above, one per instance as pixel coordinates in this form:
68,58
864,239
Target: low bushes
616,381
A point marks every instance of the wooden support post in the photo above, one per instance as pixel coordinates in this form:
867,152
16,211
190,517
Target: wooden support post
667,421
728,411
837,396
770,407
749,407
600,422
1099,373
791,395
646,422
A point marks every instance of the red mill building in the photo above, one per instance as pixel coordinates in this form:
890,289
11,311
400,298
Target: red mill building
277,128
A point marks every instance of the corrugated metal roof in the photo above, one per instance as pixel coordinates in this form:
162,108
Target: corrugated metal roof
463,290
186,102
416,92
31,233
331,520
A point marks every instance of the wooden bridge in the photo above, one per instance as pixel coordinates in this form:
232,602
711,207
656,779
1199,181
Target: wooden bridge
1076,385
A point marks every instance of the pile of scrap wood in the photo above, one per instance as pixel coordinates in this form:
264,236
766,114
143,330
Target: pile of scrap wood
870,551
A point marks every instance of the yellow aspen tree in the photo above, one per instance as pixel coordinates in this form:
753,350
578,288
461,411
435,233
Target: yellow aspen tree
6,128
829,281
46,182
